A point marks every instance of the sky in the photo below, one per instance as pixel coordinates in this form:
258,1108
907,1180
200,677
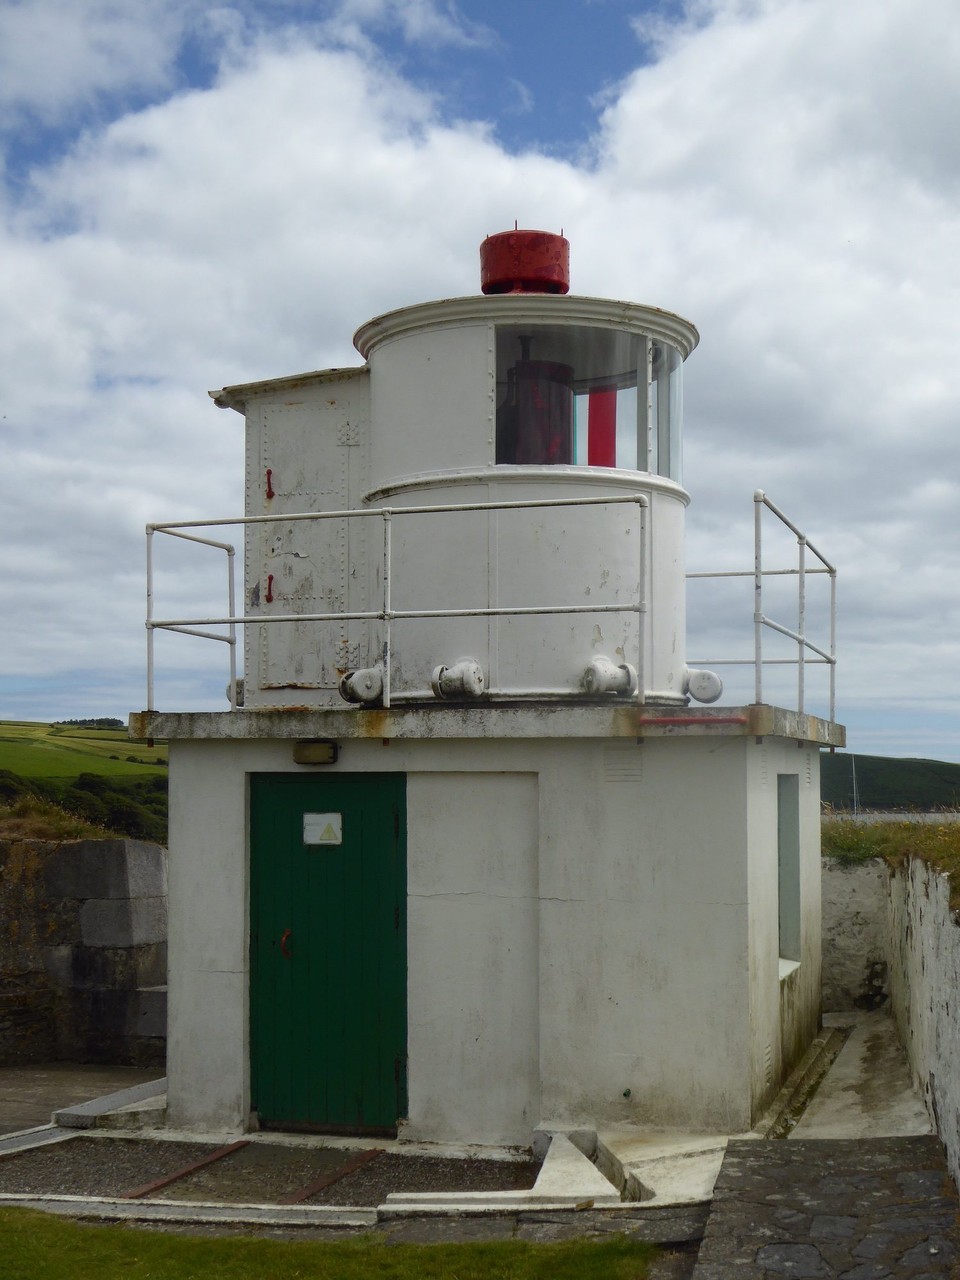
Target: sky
194,195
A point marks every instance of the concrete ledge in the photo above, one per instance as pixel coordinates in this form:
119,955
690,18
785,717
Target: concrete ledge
656,1227
568,717
43,1136
85,1114
147,1116
567,1173
111,1210
661,1169
429,1202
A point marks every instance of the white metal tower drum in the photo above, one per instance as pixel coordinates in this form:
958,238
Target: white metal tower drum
532,398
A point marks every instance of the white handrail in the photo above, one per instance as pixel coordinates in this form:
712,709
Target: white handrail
387,613
825,656
187,625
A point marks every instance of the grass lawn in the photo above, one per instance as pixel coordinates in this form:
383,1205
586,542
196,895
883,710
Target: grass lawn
38,1246
35,750
937,843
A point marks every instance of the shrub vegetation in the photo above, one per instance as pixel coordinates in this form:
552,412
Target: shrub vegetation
89,805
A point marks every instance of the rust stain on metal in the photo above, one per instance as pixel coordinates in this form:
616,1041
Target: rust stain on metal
373,723
137,725
328,1179
148,1188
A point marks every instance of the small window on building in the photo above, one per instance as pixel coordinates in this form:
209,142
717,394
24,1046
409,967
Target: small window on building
572,395
788,859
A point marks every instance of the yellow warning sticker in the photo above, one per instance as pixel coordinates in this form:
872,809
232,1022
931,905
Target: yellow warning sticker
323,828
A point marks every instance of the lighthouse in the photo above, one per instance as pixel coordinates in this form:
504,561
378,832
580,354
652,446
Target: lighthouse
474,852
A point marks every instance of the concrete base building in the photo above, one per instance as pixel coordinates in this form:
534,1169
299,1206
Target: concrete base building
461,861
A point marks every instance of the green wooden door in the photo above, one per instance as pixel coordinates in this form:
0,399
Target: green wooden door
328,950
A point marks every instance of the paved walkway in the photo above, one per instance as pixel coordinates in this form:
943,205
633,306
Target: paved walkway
859,1191
860,1209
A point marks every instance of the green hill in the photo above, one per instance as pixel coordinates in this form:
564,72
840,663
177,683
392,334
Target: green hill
64,751
884,782
86,772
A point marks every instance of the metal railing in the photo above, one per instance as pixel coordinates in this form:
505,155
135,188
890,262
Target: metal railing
824,656
386,614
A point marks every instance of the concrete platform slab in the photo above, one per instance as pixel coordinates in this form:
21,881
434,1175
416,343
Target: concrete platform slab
29,1095
662,1168
567,1175
84,1115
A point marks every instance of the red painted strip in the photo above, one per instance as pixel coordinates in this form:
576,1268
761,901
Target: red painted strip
328,1179
693,720
146,1190
602,428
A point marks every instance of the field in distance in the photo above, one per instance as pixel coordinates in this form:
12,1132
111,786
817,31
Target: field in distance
64,751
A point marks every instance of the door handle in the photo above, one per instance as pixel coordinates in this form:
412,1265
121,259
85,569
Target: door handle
284,939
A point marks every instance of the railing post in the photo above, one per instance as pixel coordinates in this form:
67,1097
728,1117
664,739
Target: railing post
833,643
149,621
232,629
387,604
758,500
642,605
801,619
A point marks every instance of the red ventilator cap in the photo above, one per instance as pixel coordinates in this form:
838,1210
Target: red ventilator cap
525,262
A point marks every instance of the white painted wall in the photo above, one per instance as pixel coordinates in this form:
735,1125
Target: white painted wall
207,973
784,999
585,918
924,987
472,928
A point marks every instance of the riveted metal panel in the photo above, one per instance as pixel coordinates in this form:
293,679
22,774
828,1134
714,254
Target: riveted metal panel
307,453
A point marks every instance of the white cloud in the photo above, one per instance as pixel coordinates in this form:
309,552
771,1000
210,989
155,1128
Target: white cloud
784,173
55,54
433,22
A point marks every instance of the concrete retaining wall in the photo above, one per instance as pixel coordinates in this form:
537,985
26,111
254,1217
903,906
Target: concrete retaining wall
925,993
891,935
856,934
83,952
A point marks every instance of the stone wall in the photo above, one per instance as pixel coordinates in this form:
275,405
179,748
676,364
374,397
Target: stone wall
925,993
856,934
892,935
83,953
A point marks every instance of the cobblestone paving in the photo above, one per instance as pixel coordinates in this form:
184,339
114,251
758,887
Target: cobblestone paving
863,1209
